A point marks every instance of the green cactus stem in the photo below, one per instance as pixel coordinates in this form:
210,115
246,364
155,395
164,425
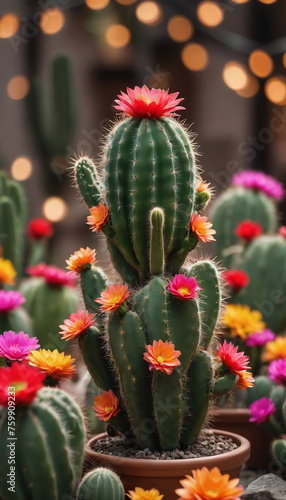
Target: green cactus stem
100,484
157,257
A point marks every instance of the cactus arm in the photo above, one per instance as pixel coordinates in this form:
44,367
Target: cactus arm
223,385
128,272
93,282
177,258
167,395
207,277
127,343
8,232
279,451
157,258
197,391
88,182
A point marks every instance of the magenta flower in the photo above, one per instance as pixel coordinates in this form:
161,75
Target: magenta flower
277,371
17,346
54,276
261,182
10,300
184,288
259,339
261,410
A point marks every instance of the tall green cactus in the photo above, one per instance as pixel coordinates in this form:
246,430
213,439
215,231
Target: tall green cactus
100,484
13,213
49,447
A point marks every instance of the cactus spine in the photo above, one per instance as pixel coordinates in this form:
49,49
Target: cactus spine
49,450
100,483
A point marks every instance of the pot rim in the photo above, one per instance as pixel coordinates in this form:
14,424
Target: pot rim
142,467
232,415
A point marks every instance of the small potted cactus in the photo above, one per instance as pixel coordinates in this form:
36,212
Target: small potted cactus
149,343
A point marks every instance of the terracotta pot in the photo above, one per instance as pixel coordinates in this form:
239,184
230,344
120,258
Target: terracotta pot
237,421
166,474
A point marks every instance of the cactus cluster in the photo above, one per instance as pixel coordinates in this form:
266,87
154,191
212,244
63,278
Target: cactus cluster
144,198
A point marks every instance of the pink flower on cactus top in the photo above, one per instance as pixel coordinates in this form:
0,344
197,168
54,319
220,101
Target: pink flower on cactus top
40,228
145,103
260,182
10,300
231,359
184,288
236,279
54,276
261,410
277,371
162,356
76,324
26,381
259,339
17,346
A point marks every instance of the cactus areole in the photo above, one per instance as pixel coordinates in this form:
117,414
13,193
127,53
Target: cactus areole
152,349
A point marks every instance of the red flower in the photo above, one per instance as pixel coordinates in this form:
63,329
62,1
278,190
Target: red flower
236,278
231,359
40,228
22,380
248,230
282,231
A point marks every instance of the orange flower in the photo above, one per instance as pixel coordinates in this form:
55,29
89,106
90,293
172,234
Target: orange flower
81,260
276,349
106,405
202,228
245,380
209,485
54,363
113,297
140,494
98,217
204,186
76,324
162,356
7,272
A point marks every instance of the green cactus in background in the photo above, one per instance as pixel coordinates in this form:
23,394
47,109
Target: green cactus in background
100,484
49,447
13,213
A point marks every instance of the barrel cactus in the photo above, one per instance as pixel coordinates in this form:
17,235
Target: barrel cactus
45,460
100,483
149,343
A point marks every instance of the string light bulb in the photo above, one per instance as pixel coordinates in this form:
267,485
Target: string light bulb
117,36
275,89
18,87
97,4
21,168
195,57
260,63
52,21
180,28
55,209
9,25
234,75
210,14
149,12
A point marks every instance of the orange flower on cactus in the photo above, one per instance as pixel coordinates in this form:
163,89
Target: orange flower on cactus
54,363
106,405
242,321
201,227
245,380
203,187
140,494
81,260
208,484
234,361
113,297
162,356
7,272
76,324
97,218
276,349
145,103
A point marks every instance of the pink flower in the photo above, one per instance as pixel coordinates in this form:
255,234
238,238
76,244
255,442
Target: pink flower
261,182
282,231
259,339
184,288
277,371
17,346
261,410
54,276
145,103
233,360
10,300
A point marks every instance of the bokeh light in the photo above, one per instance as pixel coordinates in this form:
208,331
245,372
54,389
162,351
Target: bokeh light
210,14
235,76
275,89
149,13
180,28
9,25
55,209
195,57
52,21
251,88
126,2
268,2
284,59
240,1
18,87
97,4
260,63
21,168
117,36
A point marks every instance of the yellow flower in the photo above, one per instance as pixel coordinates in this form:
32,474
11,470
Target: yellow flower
81,260
54,363
7,272
140,494
241,321
275,349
